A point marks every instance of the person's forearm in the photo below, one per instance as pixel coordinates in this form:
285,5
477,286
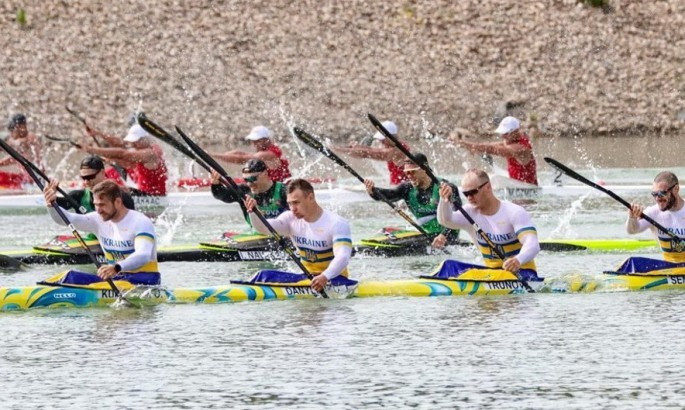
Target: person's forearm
339,263
529,249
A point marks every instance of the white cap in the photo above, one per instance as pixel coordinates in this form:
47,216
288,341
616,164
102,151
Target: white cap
388,125
507,125
135,133
259,132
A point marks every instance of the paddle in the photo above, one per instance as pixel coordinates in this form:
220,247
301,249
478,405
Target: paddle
159,133
232,186
63,140
573,174
435,180
308,139
29,167
83,121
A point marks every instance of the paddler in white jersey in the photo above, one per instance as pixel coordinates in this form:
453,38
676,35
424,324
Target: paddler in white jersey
668,211
127,237
508,225
322,238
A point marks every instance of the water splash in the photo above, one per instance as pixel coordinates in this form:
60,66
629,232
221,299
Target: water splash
564,229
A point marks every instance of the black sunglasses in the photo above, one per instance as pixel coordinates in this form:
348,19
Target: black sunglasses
89,177
474,191
661,194
251,179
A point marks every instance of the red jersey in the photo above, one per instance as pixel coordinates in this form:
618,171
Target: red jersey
150,181
282,172
397,175
113,174
526,173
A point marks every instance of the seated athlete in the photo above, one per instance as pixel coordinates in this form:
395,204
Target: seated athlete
270,196
667,211
322,238
506,224
127,237
92,172
421,196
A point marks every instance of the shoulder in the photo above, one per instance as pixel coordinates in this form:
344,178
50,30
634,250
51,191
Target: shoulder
140,219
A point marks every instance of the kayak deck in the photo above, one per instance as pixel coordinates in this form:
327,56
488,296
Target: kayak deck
23,298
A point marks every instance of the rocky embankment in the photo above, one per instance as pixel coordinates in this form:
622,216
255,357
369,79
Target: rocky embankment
220,67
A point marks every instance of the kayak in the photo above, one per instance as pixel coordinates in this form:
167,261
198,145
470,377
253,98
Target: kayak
243,247
466,279
469,280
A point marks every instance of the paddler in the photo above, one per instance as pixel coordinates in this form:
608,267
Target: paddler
508,225
322,237
422,196
515,147
261,139
388,152
26,144
92,172
270,195
667,211
127,237
143,160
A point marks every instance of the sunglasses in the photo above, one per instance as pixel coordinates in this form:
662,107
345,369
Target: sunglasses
89,177
251,179
472,192
661,194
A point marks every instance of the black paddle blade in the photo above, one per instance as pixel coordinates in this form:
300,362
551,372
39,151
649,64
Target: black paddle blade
309,139
204,156
568,171
9,264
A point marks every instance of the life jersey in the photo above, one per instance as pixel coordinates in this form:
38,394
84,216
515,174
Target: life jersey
526,173
425,213
316,241
505,229
281,173
131,242
397,175
150,181
674,221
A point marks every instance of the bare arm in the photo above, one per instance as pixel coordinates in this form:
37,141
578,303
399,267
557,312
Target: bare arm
521,153
381,154
112,140
145,155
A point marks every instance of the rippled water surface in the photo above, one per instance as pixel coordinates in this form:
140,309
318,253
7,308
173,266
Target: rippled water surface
595,350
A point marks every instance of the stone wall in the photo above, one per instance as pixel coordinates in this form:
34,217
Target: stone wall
220,67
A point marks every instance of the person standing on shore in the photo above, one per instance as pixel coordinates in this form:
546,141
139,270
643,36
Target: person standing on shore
515,147
387,152
261,139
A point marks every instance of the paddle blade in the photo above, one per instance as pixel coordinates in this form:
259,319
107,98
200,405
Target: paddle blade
309,139
202,154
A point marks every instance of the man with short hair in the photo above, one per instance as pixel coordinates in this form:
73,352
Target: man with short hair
322,238
271,196
92,172
127,237
421,195
515,147
261,139
506,224
668,211
387,152
143,160
27,145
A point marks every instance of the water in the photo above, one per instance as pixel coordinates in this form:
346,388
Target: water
524,351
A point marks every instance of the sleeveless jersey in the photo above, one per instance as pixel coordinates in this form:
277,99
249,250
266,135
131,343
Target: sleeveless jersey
150,181
282,172
526,173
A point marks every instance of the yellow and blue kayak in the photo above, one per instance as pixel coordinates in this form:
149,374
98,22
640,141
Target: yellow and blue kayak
475,280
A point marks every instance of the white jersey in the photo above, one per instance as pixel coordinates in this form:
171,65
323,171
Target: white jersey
511,229
131,242
674,221
324,246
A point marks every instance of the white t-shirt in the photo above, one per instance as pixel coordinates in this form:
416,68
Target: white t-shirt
324,246
674,221
130,242
511,229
